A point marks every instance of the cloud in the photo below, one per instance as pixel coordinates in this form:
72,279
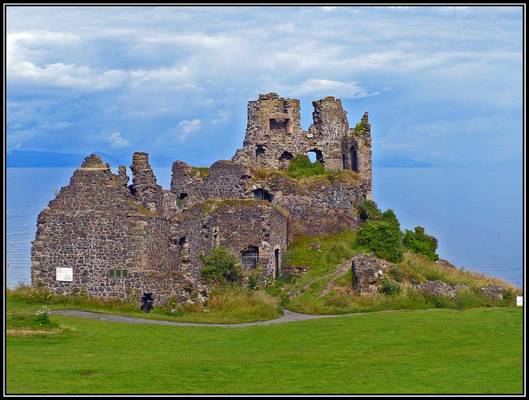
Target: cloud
116,141
140,70
323,87
185,128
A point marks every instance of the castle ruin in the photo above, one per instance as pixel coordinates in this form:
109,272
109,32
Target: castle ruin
107,238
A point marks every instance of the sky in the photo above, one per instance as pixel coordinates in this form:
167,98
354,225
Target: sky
441,84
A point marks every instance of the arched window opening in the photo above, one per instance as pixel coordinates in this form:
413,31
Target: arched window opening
315,155
262,194
182,196
250,256
354,158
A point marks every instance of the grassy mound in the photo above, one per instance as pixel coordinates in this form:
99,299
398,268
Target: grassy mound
326,287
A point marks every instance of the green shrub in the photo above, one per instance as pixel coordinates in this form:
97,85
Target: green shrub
396,273
390,288
369,211
389,216
220,266
42,317
253,281
383,238
420,242
301,167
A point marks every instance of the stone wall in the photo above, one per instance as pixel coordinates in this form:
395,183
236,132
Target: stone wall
315,207
233,224
95,228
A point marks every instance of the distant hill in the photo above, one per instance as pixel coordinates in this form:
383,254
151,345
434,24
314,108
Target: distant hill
402,162
30,158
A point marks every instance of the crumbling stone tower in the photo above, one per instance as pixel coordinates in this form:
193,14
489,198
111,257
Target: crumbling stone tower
274,136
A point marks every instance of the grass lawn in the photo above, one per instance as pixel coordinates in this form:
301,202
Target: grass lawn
425,351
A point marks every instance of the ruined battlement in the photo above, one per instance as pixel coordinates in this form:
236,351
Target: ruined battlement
274,135
108,238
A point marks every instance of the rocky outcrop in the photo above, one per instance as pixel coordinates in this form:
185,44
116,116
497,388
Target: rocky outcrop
445,264
368,273
493,291
439,288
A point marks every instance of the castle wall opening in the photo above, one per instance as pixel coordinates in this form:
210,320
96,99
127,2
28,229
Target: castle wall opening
354,158
284,159
262,194
315,155
250,256
279,125
276,263
260,150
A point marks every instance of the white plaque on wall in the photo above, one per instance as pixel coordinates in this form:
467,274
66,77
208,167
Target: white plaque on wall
64,274
519,301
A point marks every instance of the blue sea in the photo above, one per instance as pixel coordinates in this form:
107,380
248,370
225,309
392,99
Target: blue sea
476,214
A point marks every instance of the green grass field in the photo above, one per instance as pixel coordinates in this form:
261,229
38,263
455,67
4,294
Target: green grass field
425,351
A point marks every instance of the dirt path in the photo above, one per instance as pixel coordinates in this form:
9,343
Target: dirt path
288,316
341,270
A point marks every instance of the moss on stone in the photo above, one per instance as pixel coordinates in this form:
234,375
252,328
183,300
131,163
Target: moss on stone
200,172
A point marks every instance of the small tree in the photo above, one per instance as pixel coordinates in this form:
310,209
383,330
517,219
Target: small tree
220,266
420,242
369,211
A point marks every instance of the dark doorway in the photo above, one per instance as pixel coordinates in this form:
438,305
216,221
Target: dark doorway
276,263
262,194
354,158
250,256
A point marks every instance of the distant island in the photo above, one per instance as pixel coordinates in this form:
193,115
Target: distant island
49,159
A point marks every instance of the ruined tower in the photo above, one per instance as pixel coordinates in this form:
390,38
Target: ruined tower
274,136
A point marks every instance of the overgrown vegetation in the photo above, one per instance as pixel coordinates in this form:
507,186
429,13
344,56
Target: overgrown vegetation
220,266
419,242
227,304
200,172
301,167
39,320
324,291
381,232
382,235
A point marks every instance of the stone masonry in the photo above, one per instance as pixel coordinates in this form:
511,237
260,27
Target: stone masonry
106,238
